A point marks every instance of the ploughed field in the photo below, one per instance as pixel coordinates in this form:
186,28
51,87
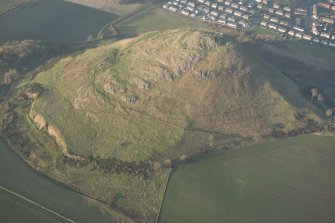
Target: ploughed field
53,20
291,180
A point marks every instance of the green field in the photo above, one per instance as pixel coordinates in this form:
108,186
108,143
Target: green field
53,20
156,18
284,181
261,31
16,209
8,4
317,50
18,177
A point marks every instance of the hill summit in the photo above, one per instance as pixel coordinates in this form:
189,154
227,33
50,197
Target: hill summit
144,92
158,98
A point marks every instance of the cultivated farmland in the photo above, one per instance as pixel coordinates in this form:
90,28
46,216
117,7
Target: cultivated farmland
285,181
9,4
16,209
53,20
18,177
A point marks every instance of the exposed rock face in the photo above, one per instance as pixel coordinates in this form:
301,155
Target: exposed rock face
57,135
38,119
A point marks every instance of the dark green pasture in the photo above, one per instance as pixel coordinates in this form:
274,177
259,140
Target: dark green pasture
291,181
53,20
16,209
18,177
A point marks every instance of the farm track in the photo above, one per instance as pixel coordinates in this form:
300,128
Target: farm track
120,19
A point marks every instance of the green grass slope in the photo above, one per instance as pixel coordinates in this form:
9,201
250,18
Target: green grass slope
284,181
132,108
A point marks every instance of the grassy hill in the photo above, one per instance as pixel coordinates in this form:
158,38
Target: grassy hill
111,121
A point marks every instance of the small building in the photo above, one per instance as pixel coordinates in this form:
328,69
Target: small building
264,23
291,33
246,17
173,8
189,7
275,20
327,20
229,10
238,13
273,26
316,40
215,13
260,6
191,4
324,5
215,5
332,44
266,16
212,18
298,28
223,16
307,37
287,9
222,21
287,15
298,35
282,29
243,9
234,5
276,6
185,12
227,3
325,35
242,23
315,31
251,4
232,25
206,10
271,10
231,19
280,13
284,23
324,42
221,8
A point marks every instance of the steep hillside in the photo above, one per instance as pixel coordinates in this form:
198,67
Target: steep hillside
114,119
151,88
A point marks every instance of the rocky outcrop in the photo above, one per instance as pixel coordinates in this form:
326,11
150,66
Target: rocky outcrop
38,119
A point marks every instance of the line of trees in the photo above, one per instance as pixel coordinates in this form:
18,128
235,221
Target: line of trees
141,169
310,128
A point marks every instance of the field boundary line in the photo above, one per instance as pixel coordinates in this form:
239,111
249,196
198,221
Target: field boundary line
13,9
171,171
37,204
113,23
